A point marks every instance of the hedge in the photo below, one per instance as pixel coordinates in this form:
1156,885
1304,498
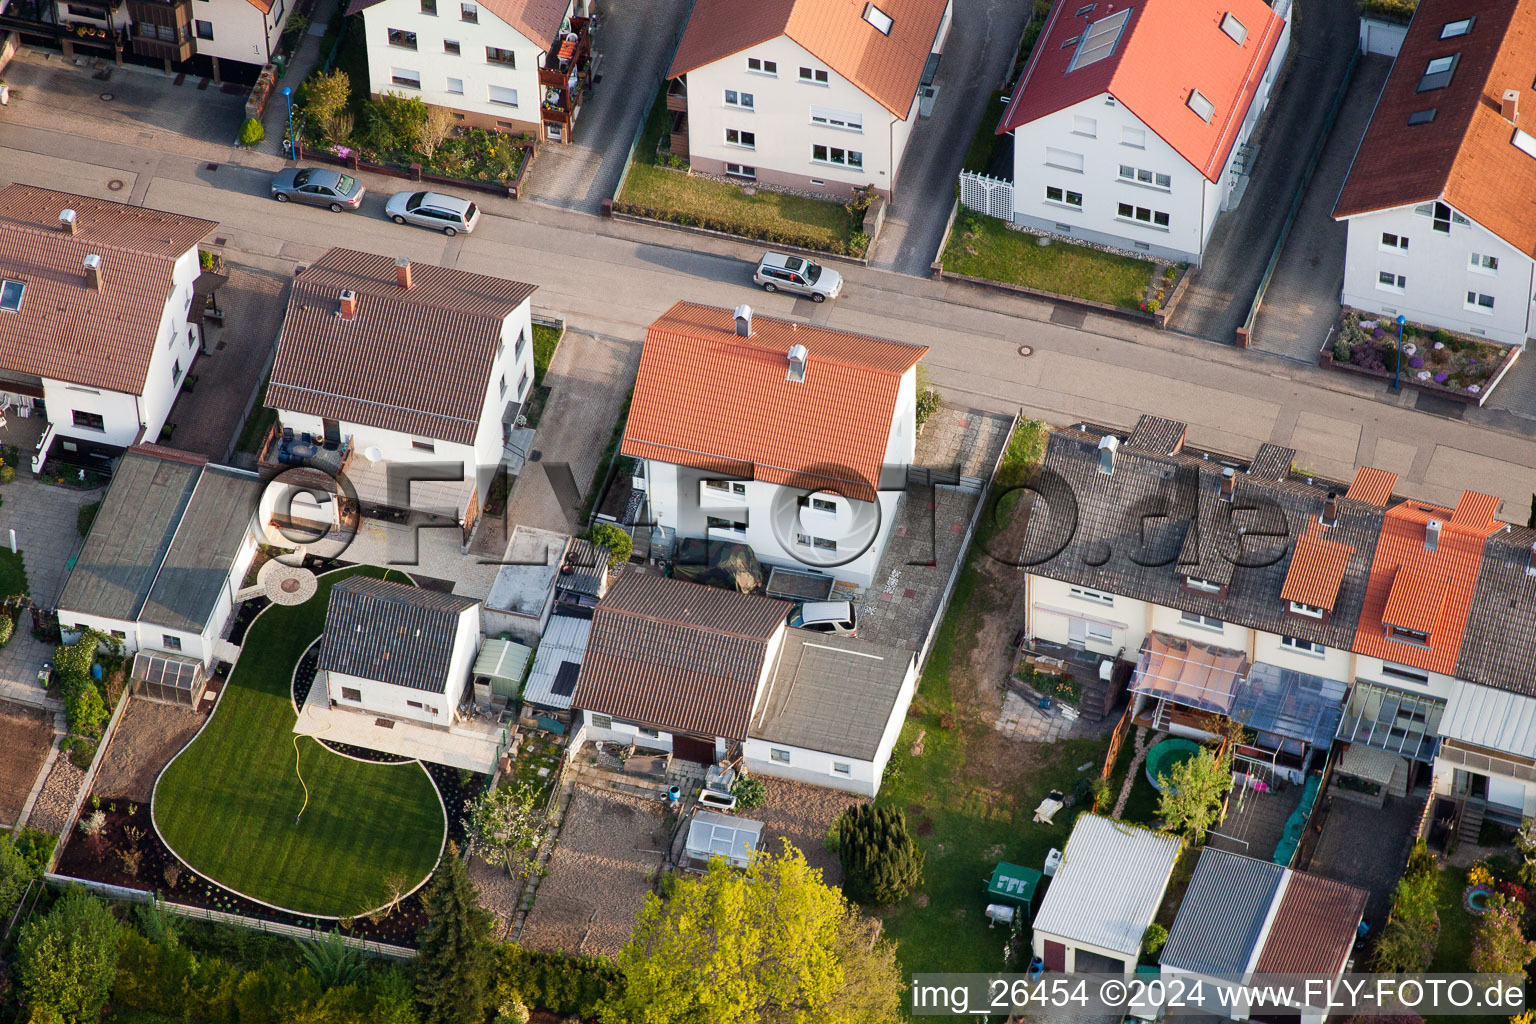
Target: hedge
553,982
856,247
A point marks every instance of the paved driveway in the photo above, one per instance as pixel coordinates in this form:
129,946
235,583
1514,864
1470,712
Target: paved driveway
1324,34
636,40
981,42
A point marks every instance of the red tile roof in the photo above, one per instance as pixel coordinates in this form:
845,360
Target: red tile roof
712,400
888,68
538,20
414,360
676,655
1427,591
1313,928
65,329
1372,486
1167,49
1317,569
1464,156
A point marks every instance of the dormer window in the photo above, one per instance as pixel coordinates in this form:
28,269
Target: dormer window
1309,610
10,295
1204,586
878,18
1408,636
1234,29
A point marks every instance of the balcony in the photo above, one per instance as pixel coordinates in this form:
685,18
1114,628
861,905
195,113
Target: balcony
162,30
677,95
564,75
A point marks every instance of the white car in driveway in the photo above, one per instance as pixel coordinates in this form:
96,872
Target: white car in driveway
448,214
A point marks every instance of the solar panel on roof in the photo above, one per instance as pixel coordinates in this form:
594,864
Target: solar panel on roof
565,679
1100,40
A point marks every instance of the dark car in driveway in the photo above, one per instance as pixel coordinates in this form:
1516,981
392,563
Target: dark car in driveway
318,186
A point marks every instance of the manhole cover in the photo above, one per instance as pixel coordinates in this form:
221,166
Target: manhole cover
106,97
115,185
1026,350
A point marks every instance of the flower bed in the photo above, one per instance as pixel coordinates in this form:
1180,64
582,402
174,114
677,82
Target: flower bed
1441,362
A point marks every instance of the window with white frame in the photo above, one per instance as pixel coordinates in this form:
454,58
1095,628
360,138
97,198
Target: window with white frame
735,487
763,67
1203,621
815,76
602,722
1085,126
846,120
1483,263
1063,159
1101,632
1301,646
878,18
842,768
402,38
1156,218
1390,282
170,642
837,155
501,95
778,754
456,86
1133,137
1142,176
741,171
1393,243
1096,596
1064,196
405,77
1479,302
736,137
452,48
741,100
1310,611
806,540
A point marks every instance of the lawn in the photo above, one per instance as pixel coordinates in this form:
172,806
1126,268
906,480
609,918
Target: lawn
227,805
671,195
986,247
545,341
13,574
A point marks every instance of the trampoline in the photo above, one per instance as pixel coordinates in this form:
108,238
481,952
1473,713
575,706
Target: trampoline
1163,756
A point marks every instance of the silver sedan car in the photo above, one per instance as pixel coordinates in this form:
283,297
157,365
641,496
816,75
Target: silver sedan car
318,186
447,214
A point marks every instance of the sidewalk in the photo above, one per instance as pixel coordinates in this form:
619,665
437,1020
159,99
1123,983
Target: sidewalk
305,59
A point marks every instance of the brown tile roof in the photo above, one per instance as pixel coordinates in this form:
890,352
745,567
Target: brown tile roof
1372,486
709,399
538,20
676,655
1313,928
1428,591
1465,155
392,632
416,361
65,329
885,67
1317,569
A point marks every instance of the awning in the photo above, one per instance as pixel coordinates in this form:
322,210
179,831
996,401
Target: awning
204,285
1188,672
718,835
1493,719
1393,720
1284,702
1013,883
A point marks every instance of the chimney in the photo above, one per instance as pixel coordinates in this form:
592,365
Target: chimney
403,272
1228,483
1108,445
744,321
1330,514
348,309
93,271
1509,109
1431,534
797,358
67,221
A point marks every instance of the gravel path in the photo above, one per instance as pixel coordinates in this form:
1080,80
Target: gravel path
57,798
148,735
498,893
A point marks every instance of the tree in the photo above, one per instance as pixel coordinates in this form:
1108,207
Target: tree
1193,792
395,123
753,947
881,861
454,958
872,976
1407,943
620,545
15,875
325,98
436,129
1152,939
509,821
67,961
1499,945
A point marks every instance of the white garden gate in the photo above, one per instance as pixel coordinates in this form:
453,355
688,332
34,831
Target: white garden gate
988,195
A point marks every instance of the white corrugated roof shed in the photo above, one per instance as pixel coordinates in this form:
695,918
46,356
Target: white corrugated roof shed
1485,717
551,683
1106,890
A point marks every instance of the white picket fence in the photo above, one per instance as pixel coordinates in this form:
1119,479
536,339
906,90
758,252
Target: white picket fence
988,195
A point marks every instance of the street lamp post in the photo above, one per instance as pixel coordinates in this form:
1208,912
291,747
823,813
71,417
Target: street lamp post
293,148
1397,367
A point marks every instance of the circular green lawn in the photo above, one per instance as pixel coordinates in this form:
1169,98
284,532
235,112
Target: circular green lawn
227,804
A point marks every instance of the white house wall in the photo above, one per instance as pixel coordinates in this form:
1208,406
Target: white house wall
811,766
1437,275
389,699
241,32
141,636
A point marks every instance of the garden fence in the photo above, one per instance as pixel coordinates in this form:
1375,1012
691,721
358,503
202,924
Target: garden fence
986,194
124,894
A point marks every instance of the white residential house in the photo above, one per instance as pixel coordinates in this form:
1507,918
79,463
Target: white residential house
503,65
1437,201
97,329
165,557
243,31
805,464
1131,121
387,369
804,93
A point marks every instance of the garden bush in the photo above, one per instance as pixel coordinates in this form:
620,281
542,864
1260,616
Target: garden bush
84,704
1499,945
1152,939
1409,939
620,545
881,861
749,791
7,627
552,982
252,132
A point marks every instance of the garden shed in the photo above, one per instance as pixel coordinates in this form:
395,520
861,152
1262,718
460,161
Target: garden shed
168,678
711,834
499,671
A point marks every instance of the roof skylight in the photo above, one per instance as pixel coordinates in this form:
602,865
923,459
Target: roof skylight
1086,9
1234,28
878,18
1422,116
1523,142
1200,105
1100,40
1437,73
1452,29
10,295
